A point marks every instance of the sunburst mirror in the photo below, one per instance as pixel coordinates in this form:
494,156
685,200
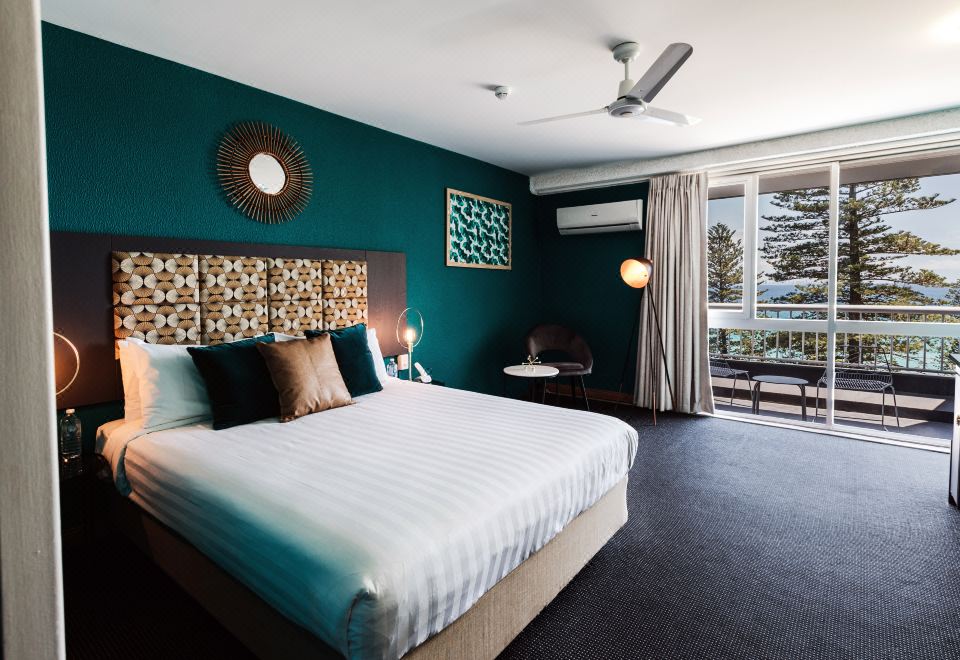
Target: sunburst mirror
264,172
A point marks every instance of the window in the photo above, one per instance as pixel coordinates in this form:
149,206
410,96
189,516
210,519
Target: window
793,227
838,268
899,240
725,232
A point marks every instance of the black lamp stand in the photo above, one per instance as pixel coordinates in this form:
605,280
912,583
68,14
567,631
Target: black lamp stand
663,354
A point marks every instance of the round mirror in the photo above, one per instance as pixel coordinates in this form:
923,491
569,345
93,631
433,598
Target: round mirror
267,173
264,173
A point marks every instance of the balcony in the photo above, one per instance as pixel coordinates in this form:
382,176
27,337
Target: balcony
911,345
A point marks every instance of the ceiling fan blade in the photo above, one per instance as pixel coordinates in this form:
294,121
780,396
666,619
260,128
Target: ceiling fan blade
668,117
661,71
573,116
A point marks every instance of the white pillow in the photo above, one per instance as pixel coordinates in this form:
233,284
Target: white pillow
172,392
131,381
280,336
377,355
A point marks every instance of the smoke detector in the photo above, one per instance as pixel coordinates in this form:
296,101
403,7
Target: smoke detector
502,92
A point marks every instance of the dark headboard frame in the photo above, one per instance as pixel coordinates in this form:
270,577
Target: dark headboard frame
83,303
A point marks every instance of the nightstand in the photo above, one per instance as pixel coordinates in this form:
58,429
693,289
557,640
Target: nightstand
80,502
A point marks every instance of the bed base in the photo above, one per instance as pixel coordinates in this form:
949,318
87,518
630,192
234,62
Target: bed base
481,633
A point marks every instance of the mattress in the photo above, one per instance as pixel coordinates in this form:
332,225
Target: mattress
376,525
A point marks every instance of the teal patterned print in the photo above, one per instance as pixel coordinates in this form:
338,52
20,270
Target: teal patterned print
478,231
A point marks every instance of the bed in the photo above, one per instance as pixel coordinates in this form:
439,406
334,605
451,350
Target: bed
419,522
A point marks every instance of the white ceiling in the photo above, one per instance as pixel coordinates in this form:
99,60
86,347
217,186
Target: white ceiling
425,68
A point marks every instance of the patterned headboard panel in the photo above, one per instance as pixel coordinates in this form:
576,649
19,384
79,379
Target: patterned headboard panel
168,298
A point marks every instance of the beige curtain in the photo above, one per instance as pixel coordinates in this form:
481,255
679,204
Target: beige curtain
677,245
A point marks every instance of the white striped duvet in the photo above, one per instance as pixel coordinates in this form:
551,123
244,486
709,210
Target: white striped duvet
378,524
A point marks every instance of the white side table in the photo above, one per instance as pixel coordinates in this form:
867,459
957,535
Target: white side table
536,371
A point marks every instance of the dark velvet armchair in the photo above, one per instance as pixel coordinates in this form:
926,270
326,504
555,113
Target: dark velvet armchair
578,360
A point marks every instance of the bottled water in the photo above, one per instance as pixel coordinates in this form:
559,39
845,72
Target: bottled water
392,368
70,461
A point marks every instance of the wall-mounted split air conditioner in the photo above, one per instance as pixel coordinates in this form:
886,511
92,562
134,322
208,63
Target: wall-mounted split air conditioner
601,218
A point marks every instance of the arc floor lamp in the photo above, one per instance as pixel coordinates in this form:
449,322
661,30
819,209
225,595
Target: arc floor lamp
636,273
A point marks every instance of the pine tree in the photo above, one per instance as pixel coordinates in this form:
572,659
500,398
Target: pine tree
724,271
870,267
724,264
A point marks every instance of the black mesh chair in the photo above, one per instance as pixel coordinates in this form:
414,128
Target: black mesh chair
578,360
722,369
863,378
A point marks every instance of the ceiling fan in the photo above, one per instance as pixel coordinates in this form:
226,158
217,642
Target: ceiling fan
633,97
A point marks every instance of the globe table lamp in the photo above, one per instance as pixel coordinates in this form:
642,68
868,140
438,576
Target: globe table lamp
66,362
636,273
410,333
66,366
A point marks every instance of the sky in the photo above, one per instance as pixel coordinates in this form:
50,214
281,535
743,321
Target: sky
941,225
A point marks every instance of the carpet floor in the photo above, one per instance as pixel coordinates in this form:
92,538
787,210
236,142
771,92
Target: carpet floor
744,541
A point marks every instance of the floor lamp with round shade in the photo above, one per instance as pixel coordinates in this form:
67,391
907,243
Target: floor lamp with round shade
636,273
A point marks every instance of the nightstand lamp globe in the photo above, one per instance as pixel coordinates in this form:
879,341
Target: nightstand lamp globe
410,333
66,362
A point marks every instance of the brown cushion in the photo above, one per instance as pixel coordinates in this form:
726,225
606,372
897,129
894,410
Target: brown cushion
306,376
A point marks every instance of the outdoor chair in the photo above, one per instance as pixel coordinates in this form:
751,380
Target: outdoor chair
722,369
862,378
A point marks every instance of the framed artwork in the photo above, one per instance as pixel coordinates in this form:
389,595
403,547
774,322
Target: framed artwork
479,231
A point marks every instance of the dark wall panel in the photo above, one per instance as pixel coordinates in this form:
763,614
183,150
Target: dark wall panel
83,313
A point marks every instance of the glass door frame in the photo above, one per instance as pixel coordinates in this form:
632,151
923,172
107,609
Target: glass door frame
747,319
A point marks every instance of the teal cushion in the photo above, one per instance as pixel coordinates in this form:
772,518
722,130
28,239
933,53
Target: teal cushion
238,382
354,358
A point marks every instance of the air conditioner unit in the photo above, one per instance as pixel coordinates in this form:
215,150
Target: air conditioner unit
601,218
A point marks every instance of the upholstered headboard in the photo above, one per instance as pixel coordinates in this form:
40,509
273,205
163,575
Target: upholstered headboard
176,298
205,292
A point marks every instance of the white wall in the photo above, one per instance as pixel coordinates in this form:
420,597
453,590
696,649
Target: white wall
30,576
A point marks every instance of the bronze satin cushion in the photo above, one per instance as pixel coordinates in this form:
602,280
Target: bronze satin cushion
306,376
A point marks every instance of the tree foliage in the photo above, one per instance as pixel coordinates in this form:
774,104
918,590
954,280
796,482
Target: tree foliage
724,272
871,253
953,295
724,264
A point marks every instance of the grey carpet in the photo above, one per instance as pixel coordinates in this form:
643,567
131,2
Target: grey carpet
747,541
743,542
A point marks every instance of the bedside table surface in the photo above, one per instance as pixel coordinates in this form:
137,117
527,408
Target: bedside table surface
531,371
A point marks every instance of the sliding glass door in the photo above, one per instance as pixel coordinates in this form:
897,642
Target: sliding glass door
835,294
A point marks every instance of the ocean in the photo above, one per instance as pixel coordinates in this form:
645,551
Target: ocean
775,290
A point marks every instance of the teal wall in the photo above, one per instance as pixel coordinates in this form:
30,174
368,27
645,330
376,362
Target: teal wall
131,143
581,281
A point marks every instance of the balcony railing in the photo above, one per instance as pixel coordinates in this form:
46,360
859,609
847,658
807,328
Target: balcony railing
926,353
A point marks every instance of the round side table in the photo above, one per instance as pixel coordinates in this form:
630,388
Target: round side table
780,380
535,371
